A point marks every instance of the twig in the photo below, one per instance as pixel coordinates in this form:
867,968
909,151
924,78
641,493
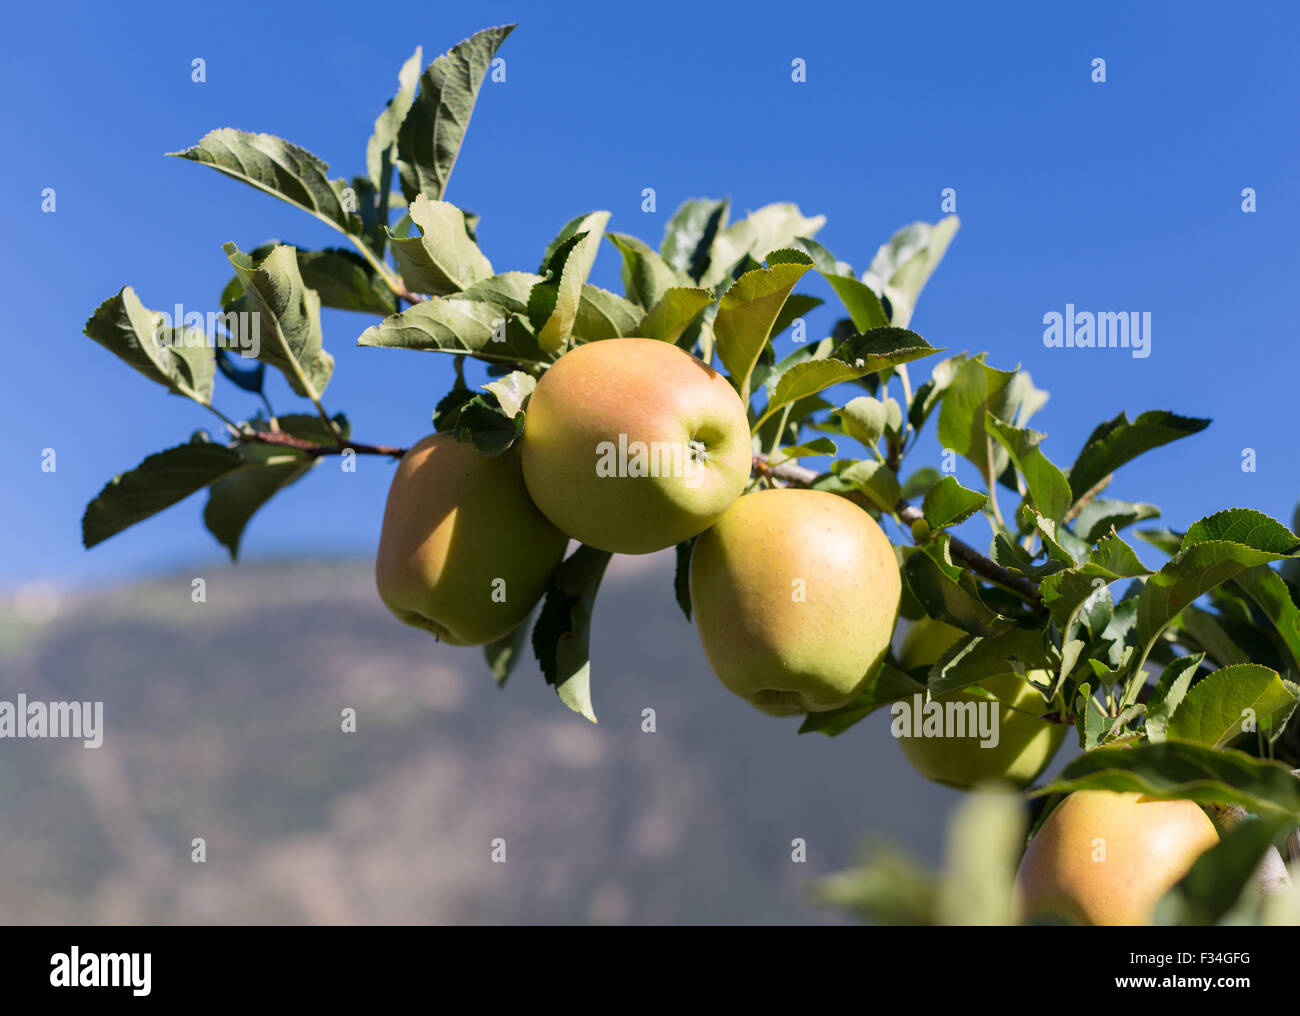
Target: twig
315,450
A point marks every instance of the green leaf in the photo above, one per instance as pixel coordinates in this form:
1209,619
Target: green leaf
553,304
237,495
948,503
1065,593
1048,487
969,661
509,290
605,315
178,358
288,324
481,329
512,391
342,278
1215,549
772,227
381,149
863,419
862,304
646,275
809,449
1231,702
1218,877
682,575
563,630
902,267
889,684
593,224
1269,591
956,601
746,315
431,134
1118,441
1096,518
854,358
877,481
279,168
442,259
489,427
975,391
689,235
1169,692
504,653
1176,769
673,313
158,482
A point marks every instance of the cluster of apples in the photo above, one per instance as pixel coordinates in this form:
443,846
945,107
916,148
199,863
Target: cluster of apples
631,446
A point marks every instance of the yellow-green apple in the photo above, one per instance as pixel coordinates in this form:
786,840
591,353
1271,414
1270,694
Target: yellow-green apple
633,445
795,594
1105,857
463,552
1026,743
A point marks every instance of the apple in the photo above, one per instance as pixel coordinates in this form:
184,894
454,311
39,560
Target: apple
463,552
795,594
1026,743
633,445
1105,857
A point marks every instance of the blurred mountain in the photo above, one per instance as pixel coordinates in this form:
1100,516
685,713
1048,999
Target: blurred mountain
223,721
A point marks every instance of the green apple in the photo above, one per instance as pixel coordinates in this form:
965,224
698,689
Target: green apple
1105,857
633,445
795,594
463,552
1026,743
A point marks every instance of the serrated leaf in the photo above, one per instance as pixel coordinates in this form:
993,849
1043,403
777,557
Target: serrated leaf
1118,441
955,601
1048,486
512,391
1214,550
478,328
503,654
889,684
673,313
605,315
382,149
593,224
808,449
859,300
279,168
689,235
1175,680
553,304
877,481
948,503
238,494
1176,770
863,419
563,629
288,326
1230,702
975,391
432,132
646,275
158,482
1270,592
508,290
441,259
682,575
902,267
486,425
971,660
1096,518
310,427
746,315
772,227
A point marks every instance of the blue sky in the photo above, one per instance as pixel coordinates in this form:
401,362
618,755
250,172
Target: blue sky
1117,196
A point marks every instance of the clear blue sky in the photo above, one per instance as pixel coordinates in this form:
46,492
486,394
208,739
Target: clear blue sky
1115,196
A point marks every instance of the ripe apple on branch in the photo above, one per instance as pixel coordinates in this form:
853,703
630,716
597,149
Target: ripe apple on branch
666,417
